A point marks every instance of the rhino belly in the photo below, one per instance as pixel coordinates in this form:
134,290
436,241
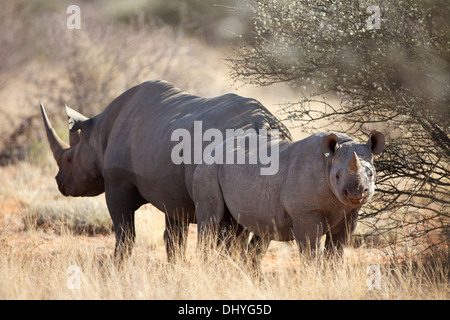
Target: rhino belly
261,218
169,195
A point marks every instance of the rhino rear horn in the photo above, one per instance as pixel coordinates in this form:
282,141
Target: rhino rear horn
56,144
75,123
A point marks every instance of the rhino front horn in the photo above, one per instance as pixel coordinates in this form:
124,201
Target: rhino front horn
354,164
56,144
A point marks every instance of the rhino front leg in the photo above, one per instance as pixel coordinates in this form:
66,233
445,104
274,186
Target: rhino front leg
337,238
308,230
123,201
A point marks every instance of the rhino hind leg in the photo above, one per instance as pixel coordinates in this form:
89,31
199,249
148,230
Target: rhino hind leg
257,248
216,226
175,239
210,206
233,237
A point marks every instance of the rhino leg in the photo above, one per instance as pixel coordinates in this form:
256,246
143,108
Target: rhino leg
257,248
308,231
210,206
216,226
122,201
339,236
233,237
175,239
208,227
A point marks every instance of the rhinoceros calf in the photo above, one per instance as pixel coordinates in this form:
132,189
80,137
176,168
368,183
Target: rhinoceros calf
125,151
320,186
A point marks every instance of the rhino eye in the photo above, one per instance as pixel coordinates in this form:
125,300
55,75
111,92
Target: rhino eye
337,176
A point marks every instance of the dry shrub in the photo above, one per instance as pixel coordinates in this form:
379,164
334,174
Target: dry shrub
100,61
394,78
88,217
14,32
23,143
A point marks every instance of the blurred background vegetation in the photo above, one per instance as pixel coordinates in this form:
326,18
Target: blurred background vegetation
120,44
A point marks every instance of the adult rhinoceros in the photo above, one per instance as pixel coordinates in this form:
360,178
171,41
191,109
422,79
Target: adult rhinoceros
319,188
125,151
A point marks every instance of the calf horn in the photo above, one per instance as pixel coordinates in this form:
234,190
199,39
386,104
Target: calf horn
354,164
56,144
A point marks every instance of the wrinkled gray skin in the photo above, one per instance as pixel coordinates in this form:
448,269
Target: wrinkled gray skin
321,184
125,151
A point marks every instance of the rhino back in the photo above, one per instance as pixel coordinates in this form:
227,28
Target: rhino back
139,143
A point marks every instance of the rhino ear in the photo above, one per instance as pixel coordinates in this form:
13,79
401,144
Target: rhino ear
76,119
330,144
376,142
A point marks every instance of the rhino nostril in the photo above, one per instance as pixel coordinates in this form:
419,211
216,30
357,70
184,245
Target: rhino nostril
346,193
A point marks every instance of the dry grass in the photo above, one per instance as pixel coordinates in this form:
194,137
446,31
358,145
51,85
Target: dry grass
35,261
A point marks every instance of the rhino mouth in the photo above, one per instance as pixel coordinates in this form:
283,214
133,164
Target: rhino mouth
356,197
358,200
62,190
61,187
